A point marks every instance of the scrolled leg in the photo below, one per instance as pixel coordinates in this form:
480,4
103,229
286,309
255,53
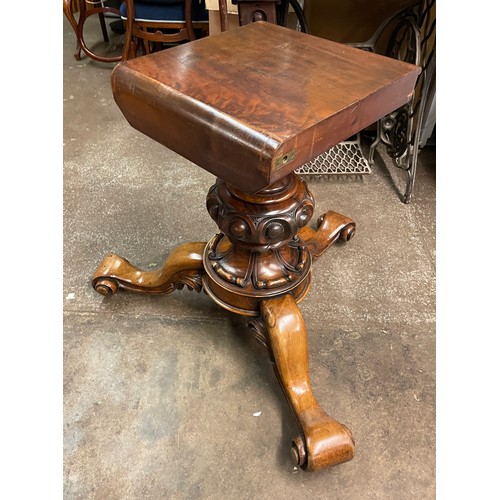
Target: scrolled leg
323,442
331,227
184,266
68,12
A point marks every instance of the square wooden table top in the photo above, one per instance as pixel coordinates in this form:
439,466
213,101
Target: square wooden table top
252,104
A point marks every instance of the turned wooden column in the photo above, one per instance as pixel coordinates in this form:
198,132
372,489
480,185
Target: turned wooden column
258,253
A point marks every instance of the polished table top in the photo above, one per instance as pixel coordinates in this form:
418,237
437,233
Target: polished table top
252,104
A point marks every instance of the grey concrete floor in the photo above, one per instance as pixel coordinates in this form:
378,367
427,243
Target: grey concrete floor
161,393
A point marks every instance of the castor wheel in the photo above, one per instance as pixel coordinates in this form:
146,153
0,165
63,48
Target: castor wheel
106,286
299,455
348,232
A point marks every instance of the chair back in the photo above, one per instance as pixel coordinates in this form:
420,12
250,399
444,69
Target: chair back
154,24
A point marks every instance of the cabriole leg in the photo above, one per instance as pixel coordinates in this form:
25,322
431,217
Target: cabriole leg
184,266
331,227
323,441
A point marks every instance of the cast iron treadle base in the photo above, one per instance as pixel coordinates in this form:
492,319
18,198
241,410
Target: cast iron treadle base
344,158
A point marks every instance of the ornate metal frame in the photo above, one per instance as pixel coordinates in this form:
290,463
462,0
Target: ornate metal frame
347,157
401,130
412,30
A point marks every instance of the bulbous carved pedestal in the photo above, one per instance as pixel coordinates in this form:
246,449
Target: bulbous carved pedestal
258,253
259,265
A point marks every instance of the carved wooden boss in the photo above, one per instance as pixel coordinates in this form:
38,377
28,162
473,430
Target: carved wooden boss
250,105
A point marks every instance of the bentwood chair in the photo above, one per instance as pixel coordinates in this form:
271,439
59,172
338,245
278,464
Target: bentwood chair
89,11
152,25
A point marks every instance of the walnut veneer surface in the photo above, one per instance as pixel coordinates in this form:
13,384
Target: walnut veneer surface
252,104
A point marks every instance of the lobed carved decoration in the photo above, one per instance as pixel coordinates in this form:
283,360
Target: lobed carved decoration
266,220
258,252
257,270
258,249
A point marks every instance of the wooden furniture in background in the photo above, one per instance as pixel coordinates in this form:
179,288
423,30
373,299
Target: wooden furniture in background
87,9
283,12
250,105
153,26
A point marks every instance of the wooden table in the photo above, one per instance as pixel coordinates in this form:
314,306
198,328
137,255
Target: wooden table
250,105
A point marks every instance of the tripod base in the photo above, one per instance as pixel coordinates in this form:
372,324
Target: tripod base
262,272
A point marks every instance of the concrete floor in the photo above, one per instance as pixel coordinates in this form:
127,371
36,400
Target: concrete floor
161,393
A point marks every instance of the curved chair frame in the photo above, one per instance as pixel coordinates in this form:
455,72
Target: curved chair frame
97,7
401,130
145,33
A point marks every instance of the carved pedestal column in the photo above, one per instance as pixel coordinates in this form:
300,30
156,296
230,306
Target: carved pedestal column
258,253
